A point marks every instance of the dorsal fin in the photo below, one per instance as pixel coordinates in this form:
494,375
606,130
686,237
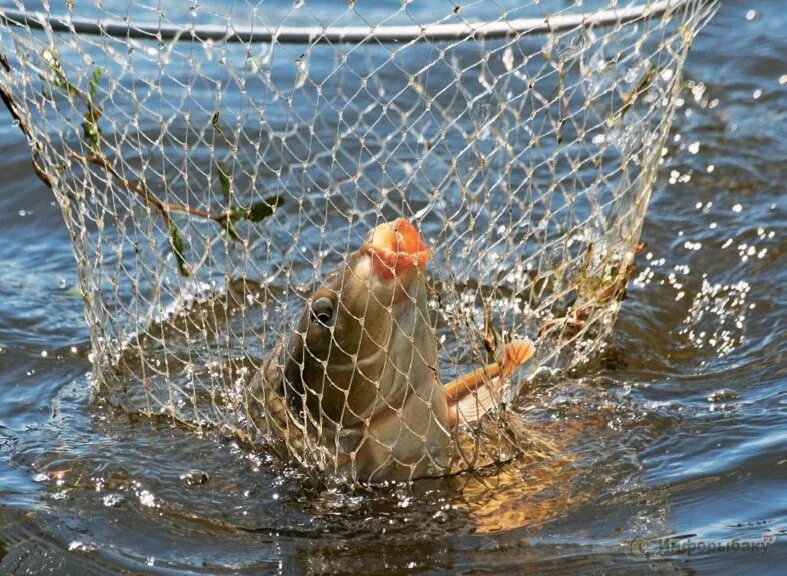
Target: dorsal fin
473,395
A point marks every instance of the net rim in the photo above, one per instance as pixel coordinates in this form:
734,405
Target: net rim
489,30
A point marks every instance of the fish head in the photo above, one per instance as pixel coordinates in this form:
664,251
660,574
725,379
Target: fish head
367,316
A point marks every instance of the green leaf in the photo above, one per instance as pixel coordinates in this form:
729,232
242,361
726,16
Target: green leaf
261,210
226,182
177,244
57,75
91,133
92,87
217,127
231,231
58,78
74,292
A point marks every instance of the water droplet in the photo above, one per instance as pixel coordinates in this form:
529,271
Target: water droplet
301,72
112,500
195,477
77,546
146,498
508,58
722,395
482,79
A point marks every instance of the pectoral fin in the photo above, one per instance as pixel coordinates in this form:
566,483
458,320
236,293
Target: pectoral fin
473,395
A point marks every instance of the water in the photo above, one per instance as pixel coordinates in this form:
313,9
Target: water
677,431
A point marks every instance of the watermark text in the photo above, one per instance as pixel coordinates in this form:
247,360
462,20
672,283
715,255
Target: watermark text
652,547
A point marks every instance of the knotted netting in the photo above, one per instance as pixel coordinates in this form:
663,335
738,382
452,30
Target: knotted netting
215,161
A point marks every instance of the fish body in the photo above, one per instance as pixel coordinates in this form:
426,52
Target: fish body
356,389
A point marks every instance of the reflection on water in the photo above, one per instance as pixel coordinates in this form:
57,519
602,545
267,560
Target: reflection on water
677,429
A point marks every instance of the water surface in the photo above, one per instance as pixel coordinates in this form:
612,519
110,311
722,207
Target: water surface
676,431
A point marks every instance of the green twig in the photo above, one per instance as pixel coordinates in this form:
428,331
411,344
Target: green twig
217,127
91,134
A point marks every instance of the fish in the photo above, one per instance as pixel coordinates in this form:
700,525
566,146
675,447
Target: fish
356,389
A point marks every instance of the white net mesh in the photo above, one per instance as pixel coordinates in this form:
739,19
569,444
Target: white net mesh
215,161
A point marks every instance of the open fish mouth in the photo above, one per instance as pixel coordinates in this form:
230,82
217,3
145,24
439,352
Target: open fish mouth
396,248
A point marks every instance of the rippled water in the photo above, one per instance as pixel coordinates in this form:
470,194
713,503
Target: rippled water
677,431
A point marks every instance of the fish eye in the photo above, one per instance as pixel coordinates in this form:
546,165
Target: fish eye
322,311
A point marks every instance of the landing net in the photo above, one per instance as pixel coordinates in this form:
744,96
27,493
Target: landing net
215,161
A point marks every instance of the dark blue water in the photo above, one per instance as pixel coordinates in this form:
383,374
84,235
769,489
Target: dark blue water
673,444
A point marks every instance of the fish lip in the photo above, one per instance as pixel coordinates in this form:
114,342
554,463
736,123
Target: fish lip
396,248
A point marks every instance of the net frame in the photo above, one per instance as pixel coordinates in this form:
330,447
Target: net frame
175,333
